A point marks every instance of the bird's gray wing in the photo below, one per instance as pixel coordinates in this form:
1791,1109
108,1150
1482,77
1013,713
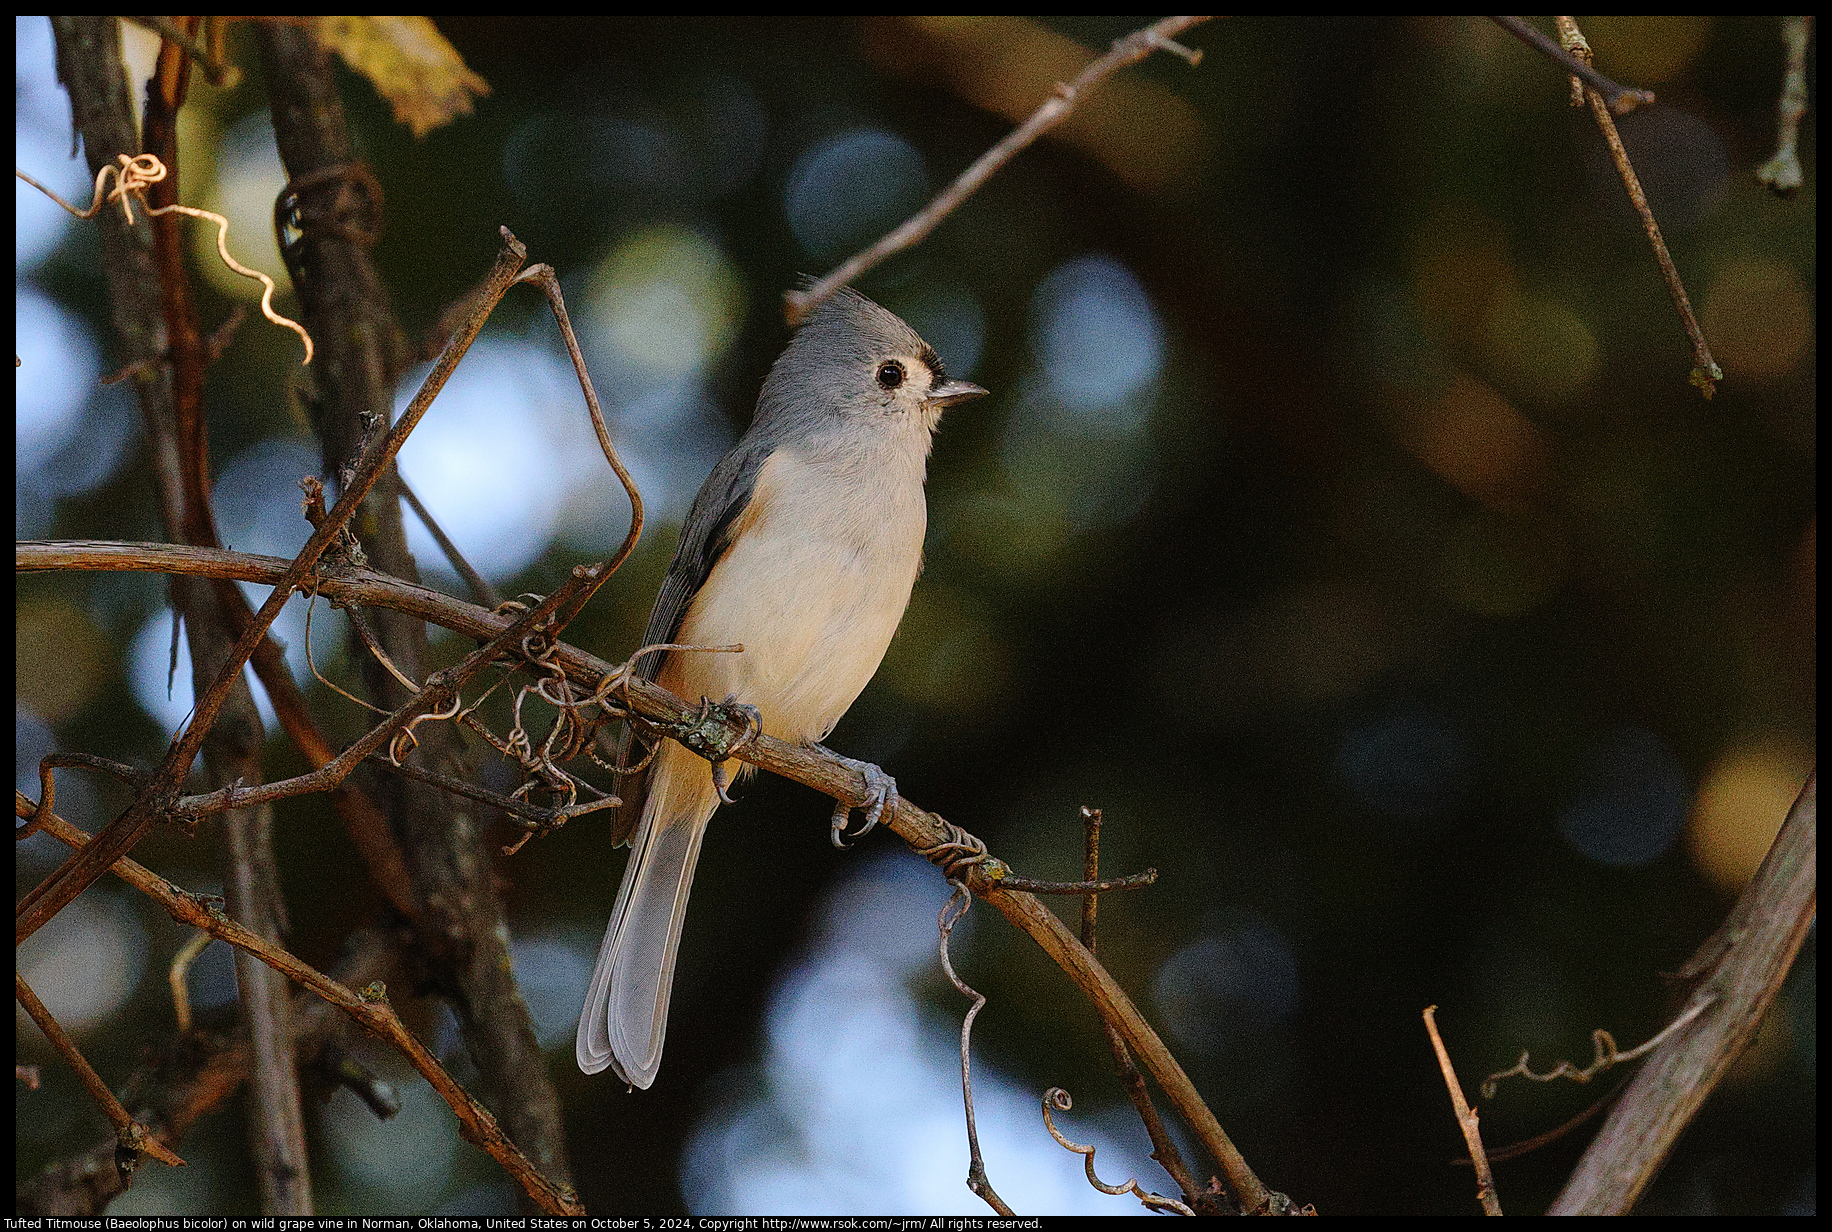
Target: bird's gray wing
705,538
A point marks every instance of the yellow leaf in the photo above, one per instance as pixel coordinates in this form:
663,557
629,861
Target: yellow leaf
409,63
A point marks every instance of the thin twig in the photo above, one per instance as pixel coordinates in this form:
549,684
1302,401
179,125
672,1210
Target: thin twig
378,1096
531,814
213,347
1163,1149
1782,171
1466,1118
1618,98
542,276
135,1140
373,644
480,589
47,782
181,1079
1087,889
1114,1006
1705,372
1131,49
1526,1146
1091,819
219,340
220,72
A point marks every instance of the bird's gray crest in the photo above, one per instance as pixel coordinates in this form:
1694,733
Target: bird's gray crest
849,331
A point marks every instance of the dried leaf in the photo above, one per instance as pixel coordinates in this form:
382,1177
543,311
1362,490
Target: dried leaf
409,63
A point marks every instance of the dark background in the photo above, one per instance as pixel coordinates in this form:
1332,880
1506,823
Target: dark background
1413,615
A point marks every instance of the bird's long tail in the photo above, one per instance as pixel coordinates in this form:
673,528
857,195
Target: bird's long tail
626,1008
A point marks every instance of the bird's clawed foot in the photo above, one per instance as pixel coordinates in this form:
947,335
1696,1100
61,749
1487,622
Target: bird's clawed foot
753,727
881,791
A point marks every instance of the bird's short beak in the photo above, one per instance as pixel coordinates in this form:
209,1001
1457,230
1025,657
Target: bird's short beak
950,392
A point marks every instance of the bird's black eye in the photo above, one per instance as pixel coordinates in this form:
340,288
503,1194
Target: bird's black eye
890,374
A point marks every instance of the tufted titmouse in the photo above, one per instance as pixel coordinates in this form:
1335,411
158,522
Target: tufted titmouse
802,545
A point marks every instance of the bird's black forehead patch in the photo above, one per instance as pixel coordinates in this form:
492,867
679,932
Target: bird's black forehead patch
933,361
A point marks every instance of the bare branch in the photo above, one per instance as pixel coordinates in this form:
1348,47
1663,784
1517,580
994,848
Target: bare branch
1739,970
210,60
440,691
1125,51
543,277
1705,372
480,589
1163,1148
134,1138
1782,171
1087,889
369,1008
1466,1118
1620,99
